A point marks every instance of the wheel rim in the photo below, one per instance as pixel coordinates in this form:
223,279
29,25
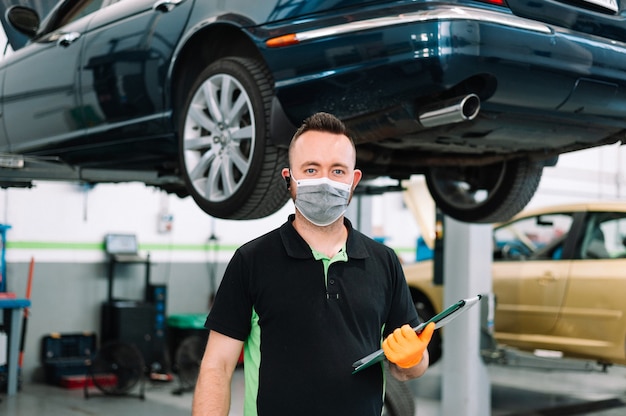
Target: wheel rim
467,187
219,137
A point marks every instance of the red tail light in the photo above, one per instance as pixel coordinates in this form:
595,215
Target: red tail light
501,3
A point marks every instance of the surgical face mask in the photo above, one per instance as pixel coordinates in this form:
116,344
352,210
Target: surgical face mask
321,200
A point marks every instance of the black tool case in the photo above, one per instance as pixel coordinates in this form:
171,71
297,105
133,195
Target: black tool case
66,355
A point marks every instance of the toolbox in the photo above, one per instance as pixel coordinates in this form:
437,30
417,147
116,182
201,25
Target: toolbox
66,355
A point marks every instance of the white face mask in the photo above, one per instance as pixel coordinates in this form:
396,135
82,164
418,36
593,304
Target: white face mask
321,200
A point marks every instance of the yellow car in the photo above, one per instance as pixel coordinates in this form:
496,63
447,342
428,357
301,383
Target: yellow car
559,278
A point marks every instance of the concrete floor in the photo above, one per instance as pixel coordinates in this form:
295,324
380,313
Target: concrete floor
514,392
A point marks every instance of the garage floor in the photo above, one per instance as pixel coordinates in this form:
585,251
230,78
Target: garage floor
515,392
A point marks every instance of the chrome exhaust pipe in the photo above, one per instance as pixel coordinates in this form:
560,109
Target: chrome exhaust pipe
450,111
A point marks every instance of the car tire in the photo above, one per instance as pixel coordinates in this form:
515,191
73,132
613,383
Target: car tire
229,166
484,194
399,400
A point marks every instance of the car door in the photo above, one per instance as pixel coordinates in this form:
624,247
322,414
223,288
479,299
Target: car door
530,275
127,51
41,105
593,317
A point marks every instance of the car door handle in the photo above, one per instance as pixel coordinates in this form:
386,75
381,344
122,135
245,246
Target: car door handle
546,279
66,39
166,5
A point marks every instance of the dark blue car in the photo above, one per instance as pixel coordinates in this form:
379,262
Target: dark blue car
201,97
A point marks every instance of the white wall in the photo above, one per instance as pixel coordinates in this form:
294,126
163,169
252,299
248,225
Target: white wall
57,214
598,173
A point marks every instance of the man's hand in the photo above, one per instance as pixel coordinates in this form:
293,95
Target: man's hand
405,348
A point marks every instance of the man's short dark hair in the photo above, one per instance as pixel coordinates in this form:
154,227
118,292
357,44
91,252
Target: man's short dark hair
324,122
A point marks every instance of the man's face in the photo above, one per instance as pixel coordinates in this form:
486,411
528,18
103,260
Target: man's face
318,154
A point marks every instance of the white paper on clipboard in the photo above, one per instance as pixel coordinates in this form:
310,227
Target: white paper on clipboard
441,319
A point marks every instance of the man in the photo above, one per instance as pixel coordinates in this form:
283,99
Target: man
310,298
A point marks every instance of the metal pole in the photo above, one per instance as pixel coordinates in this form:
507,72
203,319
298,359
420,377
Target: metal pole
466,388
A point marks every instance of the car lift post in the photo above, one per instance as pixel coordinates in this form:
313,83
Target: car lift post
465,385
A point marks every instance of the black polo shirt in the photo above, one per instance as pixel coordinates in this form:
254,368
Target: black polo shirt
303,330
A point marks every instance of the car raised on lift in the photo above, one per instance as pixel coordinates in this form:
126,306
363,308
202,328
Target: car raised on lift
201,98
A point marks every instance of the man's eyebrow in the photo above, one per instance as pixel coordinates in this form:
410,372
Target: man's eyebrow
311,163
340,165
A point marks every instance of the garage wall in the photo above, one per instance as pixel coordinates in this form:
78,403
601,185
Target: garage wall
589,174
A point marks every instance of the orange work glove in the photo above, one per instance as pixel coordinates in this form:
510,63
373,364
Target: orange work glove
405,348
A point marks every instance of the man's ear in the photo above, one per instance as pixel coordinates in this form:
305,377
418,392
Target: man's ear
356,178
285,174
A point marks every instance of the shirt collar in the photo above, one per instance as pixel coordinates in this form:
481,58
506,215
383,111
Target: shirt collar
342,255
296,246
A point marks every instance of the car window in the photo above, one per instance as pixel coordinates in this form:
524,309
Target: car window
604,237
82,9
533,238
72,11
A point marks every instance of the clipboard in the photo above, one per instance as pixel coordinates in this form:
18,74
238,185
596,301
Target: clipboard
441,319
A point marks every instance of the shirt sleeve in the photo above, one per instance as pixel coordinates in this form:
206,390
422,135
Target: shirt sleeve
231,313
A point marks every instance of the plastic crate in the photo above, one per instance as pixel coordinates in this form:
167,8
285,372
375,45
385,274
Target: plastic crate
187,320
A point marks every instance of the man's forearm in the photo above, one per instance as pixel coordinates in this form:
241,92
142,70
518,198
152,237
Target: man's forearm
212,393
